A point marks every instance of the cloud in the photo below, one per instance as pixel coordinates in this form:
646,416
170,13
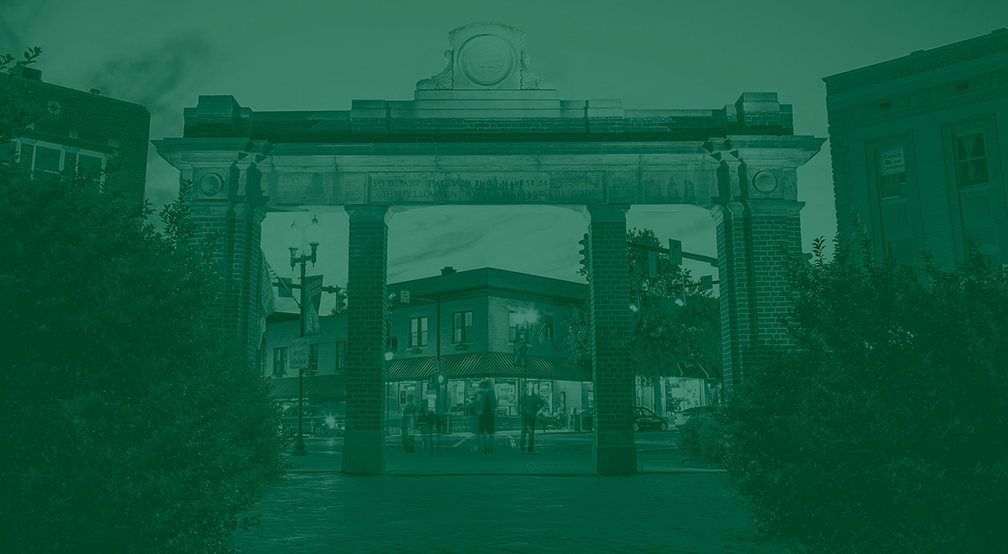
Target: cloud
163,77
16,18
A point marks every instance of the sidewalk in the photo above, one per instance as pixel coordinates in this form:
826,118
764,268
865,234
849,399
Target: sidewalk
330,512
500,462
458,457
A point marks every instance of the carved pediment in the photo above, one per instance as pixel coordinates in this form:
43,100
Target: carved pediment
486,56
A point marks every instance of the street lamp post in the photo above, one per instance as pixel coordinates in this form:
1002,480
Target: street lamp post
294,239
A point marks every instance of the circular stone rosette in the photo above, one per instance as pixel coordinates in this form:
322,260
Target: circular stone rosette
211,184
765,182
486,59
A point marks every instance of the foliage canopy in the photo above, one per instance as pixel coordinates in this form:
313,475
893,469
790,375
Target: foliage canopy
127,422
664,330
885,428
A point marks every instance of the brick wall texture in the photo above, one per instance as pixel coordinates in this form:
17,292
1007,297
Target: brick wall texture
235,231
754,240
608,293
367,304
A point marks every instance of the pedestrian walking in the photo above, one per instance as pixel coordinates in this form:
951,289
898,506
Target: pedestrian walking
486,406
408,424
426,421
531,404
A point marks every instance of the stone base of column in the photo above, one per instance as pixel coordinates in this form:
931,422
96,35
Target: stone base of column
363,452
615,453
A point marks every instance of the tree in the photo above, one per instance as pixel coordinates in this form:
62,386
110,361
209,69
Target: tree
883,428
127,422
663,330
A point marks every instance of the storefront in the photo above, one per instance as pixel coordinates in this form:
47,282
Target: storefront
565,387
689,386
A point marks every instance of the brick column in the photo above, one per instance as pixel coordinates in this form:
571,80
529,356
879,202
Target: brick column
615,452
235,231
367,306
754,237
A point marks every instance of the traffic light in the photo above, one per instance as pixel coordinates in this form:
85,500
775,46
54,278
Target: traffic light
584,251
675,252
341,306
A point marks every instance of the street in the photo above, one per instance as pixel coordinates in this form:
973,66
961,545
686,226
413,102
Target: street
556,453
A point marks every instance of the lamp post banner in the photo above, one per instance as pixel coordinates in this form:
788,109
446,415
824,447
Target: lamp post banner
313,294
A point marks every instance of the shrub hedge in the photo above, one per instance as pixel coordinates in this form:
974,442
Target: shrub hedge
885,427
128,421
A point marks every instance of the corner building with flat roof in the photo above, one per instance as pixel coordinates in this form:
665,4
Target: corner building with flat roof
918,145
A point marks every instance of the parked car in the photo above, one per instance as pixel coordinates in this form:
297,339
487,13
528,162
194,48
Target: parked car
317,421
699,411
645,418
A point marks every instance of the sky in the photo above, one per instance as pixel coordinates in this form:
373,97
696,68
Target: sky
322,54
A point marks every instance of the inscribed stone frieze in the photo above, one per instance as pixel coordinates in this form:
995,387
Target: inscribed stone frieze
486,188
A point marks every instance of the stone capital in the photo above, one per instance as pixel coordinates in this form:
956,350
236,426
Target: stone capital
369,213
774,207
605,212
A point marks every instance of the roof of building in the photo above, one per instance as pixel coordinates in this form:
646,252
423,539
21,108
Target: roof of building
996,42
544,117
492,279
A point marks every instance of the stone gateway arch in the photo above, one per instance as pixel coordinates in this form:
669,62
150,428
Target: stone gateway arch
486,130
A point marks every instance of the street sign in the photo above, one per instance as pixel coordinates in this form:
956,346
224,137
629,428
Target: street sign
706,282
404,296
299,353
675,251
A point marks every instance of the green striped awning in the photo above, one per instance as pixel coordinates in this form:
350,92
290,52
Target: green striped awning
473,365
411,369
316,387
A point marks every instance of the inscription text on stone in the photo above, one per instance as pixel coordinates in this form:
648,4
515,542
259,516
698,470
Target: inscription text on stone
485,188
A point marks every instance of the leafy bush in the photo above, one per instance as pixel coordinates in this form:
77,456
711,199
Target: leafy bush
128,423
885,428
705,437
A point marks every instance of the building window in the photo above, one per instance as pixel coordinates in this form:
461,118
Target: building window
461,327
891,172
340,355
48,159
90,167
418,332
279,361
971,159
313,358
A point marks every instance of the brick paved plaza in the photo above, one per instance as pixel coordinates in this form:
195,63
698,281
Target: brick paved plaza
458,500
331,512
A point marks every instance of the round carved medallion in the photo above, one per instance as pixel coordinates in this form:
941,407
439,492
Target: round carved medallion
486,59
211,184
53,109
765,182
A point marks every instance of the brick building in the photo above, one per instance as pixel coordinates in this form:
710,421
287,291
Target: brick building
917,146
84,131
471,324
